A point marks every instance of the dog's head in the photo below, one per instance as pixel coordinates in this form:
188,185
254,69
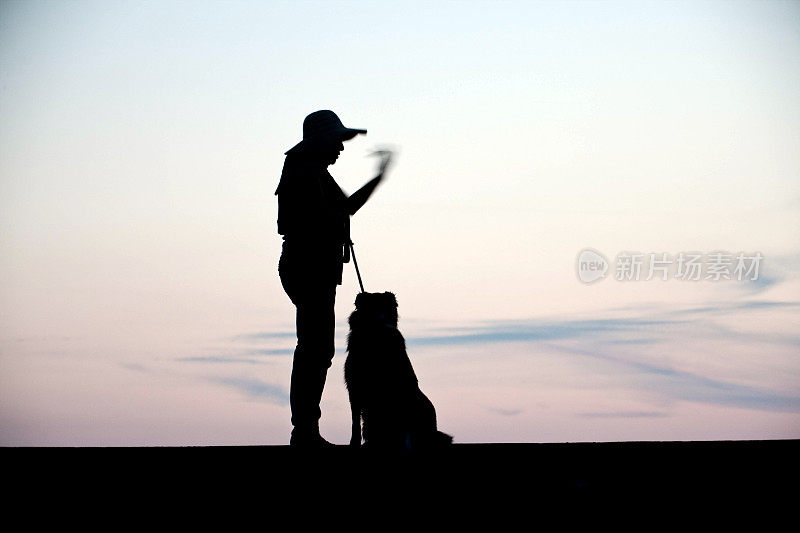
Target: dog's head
375,308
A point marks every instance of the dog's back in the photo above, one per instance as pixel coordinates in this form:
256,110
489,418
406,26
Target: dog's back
381,382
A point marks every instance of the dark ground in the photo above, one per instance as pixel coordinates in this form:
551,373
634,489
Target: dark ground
643,485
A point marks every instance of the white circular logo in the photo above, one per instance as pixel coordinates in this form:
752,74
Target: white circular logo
591,265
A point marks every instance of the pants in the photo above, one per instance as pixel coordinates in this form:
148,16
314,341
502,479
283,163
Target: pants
314,300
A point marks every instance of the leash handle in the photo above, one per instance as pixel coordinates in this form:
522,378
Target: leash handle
355,264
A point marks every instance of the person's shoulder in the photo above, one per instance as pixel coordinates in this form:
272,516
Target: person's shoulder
296,170
294,160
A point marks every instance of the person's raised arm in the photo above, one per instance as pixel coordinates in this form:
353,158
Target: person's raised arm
360,197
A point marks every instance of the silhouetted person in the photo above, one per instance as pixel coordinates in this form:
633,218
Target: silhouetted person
314,219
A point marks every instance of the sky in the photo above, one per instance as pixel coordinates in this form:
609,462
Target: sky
141,144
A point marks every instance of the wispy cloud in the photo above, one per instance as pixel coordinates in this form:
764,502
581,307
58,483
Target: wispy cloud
688,386
625,414
255,388
264,335
624,330
219,359
535,331
239,356
616,341
726,307
271,351
136,367
504,412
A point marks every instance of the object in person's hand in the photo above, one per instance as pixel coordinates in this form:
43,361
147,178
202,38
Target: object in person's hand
386,159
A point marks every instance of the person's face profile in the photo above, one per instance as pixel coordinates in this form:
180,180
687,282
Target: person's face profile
328,149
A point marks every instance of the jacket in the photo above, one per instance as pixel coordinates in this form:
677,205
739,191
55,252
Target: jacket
314,220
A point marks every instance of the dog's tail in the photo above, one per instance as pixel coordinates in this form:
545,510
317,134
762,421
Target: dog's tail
442,439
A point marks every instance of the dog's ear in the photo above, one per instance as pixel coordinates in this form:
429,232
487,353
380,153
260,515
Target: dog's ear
390,297
361,299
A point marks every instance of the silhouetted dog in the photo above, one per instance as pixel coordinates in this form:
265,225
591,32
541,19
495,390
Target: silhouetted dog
380,380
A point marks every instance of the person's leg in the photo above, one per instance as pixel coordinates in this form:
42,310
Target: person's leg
312,357
315,344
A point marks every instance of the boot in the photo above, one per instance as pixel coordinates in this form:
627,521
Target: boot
308,438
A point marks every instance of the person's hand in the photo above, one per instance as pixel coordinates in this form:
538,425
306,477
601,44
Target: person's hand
385,162
360,197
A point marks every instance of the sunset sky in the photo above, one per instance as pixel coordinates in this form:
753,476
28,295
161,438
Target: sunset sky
141,143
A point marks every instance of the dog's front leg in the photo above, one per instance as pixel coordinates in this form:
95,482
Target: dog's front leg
355,437
355,410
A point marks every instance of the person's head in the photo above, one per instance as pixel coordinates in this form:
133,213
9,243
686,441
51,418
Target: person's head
324,136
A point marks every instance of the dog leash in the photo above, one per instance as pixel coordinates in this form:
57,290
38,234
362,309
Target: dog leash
355,264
